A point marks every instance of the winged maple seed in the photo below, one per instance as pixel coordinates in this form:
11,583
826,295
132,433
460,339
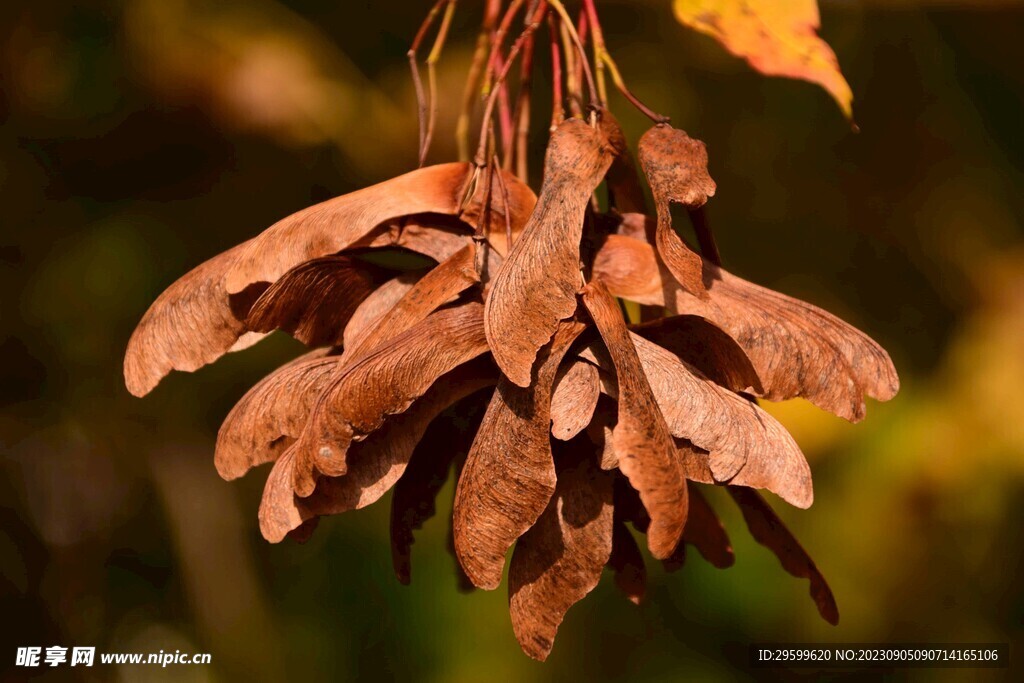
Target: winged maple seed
508,361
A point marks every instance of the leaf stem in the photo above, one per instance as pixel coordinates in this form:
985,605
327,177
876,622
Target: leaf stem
480,158
604,58
476,69
574,35
417,82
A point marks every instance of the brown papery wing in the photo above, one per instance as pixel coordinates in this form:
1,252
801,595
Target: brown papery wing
314,300
768,530
334,225
374,465
748,446
696,462
384,383
379,302
536,285
640,439
192,323
509,475
676,167
577,389
435,236
560,559
705,346
439,286
272,414
797,349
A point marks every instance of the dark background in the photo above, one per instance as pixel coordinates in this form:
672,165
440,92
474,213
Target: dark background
140,137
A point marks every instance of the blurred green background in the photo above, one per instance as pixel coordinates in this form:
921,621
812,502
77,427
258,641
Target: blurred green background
140,137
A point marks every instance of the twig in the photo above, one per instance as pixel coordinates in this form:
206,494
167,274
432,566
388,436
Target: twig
604,58
421,101
476,69
521,117
567,23
557,104
432,59
531,26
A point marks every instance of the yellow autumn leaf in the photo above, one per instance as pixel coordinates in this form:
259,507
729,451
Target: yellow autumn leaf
777,37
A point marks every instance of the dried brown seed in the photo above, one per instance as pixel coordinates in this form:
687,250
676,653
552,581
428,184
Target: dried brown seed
272,414
379,302
439,286
536,285
192,323
374,465
314,300
577,389
195,321
705,346
676,167
334,225
768,530
640,439
384,383
560,559
748,446
798,349
509,475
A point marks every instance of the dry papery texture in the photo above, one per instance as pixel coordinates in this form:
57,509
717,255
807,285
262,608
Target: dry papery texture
274,412
569,430
640,439
509,475
385,382
797,349
205,313
560,559
676,167
537,284
374,464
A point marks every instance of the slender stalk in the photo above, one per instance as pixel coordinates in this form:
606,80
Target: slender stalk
599,49
421,101
582,31
432,60
504,111
476,69
557,106
573,76
574,35
604,58
521,117
498,41
480,158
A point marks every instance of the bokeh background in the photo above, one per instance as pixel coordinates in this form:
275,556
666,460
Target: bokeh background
140,137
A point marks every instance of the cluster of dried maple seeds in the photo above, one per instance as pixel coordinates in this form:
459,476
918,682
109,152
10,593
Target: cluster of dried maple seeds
510,362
